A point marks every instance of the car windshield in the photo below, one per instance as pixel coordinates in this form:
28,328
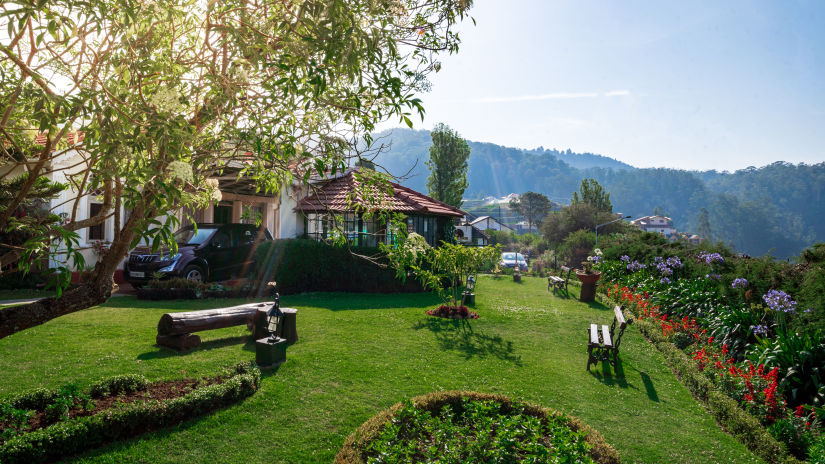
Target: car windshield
508,256
520,256
189,236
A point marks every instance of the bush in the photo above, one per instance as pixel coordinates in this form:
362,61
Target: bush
118,385
303,265
82,433
357,447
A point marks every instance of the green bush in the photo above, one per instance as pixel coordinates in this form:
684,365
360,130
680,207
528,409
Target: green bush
303,265
801,362
118,385
76,435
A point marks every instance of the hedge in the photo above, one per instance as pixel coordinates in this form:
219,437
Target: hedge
83,433
732,418
304,265
353,450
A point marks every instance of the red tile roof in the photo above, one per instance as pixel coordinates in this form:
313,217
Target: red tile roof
69,138
334,195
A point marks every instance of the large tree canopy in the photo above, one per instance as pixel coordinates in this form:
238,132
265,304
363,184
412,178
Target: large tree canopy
167,93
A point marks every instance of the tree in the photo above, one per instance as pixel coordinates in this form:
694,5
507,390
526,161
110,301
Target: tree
449,154
703,227
159,97
533,206
591,193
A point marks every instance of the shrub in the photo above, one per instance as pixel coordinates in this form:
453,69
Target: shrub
118,385
303,265
76,435
359,445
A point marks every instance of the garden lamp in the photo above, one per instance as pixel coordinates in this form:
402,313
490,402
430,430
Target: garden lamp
274,318
471,284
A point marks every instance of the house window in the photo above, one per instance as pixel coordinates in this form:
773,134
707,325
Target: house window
96,232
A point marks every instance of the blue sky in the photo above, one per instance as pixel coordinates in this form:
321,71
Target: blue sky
692,85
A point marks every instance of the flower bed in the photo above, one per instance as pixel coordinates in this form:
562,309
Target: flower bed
743,349
473,427
45,425
453,312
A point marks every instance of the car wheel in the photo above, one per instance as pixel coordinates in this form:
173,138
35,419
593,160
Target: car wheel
194,273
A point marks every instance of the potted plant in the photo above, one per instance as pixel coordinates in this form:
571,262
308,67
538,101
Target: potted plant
589,277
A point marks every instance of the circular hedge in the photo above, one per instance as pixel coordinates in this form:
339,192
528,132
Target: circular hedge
357,447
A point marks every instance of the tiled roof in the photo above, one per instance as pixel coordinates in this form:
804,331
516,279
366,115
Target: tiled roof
69,138
335,195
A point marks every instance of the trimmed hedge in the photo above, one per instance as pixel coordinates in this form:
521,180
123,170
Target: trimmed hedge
83,433
304,265
353,450
732,418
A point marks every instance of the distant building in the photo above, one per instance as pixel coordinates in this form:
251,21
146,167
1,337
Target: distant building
489,222
657,224
522,228
470,235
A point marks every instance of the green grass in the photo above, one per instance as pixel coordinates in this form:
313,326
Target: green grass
24,294
359,354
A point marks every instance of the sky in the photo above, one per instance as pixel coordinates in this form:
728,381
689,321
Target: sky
689,85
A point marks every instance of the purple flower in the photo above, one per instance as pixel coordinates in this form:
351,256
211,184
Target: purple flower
713,276
658,259
625,259
778,300
674,261
664,280
635,266
595,259
808,310
739,283
760,330
662,267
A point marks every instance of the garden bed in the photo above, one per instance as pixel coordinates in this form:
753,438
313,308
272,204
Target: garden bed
458,426
44,425
453,312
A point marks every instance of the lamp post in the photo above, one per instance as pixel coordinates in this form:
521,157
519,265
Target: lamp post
271,351
468,297
605,224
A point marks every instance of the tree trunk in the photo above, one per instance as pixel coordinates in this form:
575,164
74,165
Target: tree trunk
94,290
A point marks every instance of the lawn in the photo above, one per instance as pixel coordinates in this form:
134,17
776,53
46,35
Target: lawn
359,354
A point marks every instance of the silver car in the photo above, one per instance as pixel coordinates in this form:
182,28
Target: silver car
514,260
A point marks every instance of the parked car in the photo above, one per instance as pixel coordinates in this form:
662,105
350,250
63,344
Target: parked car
514,260
205,252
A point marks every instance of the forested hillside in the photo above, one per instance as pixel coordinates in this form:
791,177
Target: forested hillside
777,209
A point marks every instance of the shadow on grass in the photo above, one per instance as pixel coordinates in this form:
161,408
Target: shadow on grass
607,377
458,335
162,352
599,306
649,388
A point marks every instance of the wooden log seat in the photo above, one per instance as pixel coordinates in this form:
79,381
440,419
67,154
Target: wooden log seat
175,329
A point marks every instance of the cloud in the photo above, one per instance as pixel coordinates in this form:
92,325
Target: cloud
617,93
552,96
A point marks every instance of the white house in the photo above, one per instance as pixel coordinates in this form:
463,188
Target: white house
489,222
658,224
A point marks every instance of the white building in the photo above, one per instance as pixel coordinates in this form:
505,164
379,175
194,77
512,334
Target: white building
658,224
488,222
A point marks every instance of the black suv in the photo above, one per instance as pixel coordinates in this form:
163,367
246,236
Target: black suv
205,252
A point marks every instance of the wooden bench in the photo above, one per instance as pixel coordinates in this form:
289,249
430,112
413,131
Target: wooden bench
558,282
603,344
175,330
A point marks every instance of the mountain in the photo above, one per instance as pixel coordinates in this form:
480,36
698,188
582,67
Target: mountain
777,209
